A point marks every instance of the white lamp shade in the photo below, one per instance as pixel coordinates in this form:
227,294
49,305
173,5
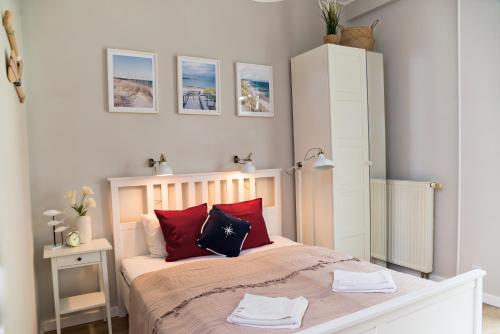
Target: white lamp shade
61,229
55,222
52,213
164,169
248,168
322,163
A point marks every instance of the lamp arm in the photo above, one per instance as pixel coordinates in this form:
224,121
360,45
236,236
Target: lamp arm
307,157
298,165
152,162
238,160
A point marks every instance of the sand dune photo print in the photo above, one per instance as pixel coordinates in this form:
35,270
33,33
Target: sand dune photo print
132,81
198,85
254,90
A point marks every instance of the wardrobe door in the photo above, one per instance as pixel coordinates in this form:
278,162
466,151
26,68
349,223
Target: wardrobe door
350,151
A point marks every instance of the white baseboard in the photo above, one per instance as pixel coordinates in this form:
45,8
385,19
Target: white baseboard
79,318
487,298
491,300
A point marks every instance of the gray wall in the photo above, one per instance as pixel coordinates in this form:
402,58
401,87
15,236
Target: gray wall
480,158
17,278
75,141
419,43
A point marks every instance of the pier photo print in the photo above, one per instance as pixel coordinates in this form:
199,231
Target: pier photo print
132,85
198,85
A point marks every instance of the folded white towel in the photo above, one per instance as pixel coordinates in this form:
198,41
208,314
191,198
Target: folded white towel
267,312
379,281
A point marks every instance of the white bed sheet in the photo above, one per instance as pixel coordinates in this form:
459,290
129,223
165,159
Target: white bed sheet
136,266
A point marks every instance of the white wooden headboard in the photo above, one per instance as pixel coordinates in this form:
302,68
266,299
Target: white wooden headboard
181,191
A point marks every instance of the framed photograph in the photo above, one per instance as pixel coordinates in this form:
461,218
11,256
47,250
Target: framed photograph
254,90
132,81
198,86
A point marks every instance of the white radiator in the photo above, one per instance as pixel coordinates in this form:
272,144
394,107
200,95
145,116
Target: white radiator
403,223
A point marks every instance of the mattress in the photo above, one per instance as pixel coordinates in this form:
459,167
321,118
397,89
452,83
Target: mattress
136,266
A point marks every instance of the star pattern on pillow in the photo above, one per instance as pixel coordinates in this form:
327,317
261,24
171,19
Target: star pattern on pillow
228,230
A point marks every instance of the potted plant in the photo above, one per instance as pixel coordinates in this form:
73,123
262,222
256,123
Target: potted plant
81,207
330,10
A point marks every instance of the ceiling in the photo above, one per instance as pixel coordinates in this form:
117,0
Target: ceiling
343,2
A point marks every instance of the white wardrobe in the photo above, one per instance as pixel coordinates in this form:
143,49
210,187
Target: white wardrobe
330,111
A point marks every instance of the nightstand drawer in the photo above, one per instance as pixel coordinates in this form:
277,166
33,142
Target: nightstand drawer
79,259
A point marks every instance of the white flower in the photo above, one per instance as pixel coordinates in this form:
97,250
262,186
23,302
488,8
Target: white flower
86,190
322,5
91,203
71,197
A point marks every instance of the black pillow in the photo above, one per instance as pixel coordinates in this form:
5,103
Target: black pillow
223,234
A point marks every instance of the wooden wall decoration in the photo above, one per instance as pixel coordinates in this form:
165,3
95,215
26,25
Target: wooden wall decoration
14,63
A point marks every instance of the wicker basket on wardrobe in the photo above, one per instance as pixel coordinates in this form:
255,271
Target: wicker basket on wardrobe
358,37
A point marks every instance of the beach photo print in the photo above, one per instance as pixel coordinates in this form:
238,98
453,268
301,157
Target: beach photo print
132,83
198,86
254,90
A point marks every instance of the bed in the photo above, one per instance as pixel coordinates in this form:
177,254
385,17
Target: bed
165,297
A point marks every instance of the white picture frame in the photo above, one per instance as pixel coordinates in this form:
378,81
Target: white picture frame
254,83
132,81
198,86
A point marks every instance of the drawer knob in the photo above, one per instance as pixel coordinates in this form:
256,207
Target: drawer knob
79,259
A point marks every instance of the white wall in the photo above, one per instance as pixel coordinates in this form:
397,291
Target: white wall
480,137
18,309
419,43
75,141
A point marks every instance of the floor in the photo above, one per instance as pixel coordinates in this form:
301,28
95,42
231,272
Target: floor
120,326
491,324
491,320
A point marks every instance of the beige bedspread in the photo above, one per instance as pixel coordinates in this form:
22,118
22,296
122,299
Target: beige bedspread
197,297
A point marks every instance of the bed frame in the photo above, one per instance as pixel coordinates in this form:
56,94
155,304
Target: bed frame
450,306
182,191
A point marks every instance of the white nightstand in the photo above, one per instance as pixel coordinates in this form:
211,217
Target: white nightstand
91,253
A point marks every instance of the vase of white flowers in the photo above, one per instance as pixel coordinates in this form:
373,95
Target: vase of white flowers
81,207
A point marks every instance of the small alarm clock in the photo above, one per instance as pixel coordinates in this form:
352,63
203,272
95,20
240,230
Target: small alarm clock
73,239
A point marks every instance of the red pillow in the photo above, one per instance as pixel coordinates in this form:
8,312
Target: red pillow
250,211
181,230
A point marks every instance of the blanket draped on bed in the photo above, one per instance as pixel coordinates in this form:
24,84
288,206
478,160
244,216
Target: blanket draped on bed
197,297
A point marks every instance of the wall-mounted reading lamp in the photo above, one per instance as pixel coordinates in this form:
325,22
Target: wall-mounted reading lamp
320,162
161,167
248,166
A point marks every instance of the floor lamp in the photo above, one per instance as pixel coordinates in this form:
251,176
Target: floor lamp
320,163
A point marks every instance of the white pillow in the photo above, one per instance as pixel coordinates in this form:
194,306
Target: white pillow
154,236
